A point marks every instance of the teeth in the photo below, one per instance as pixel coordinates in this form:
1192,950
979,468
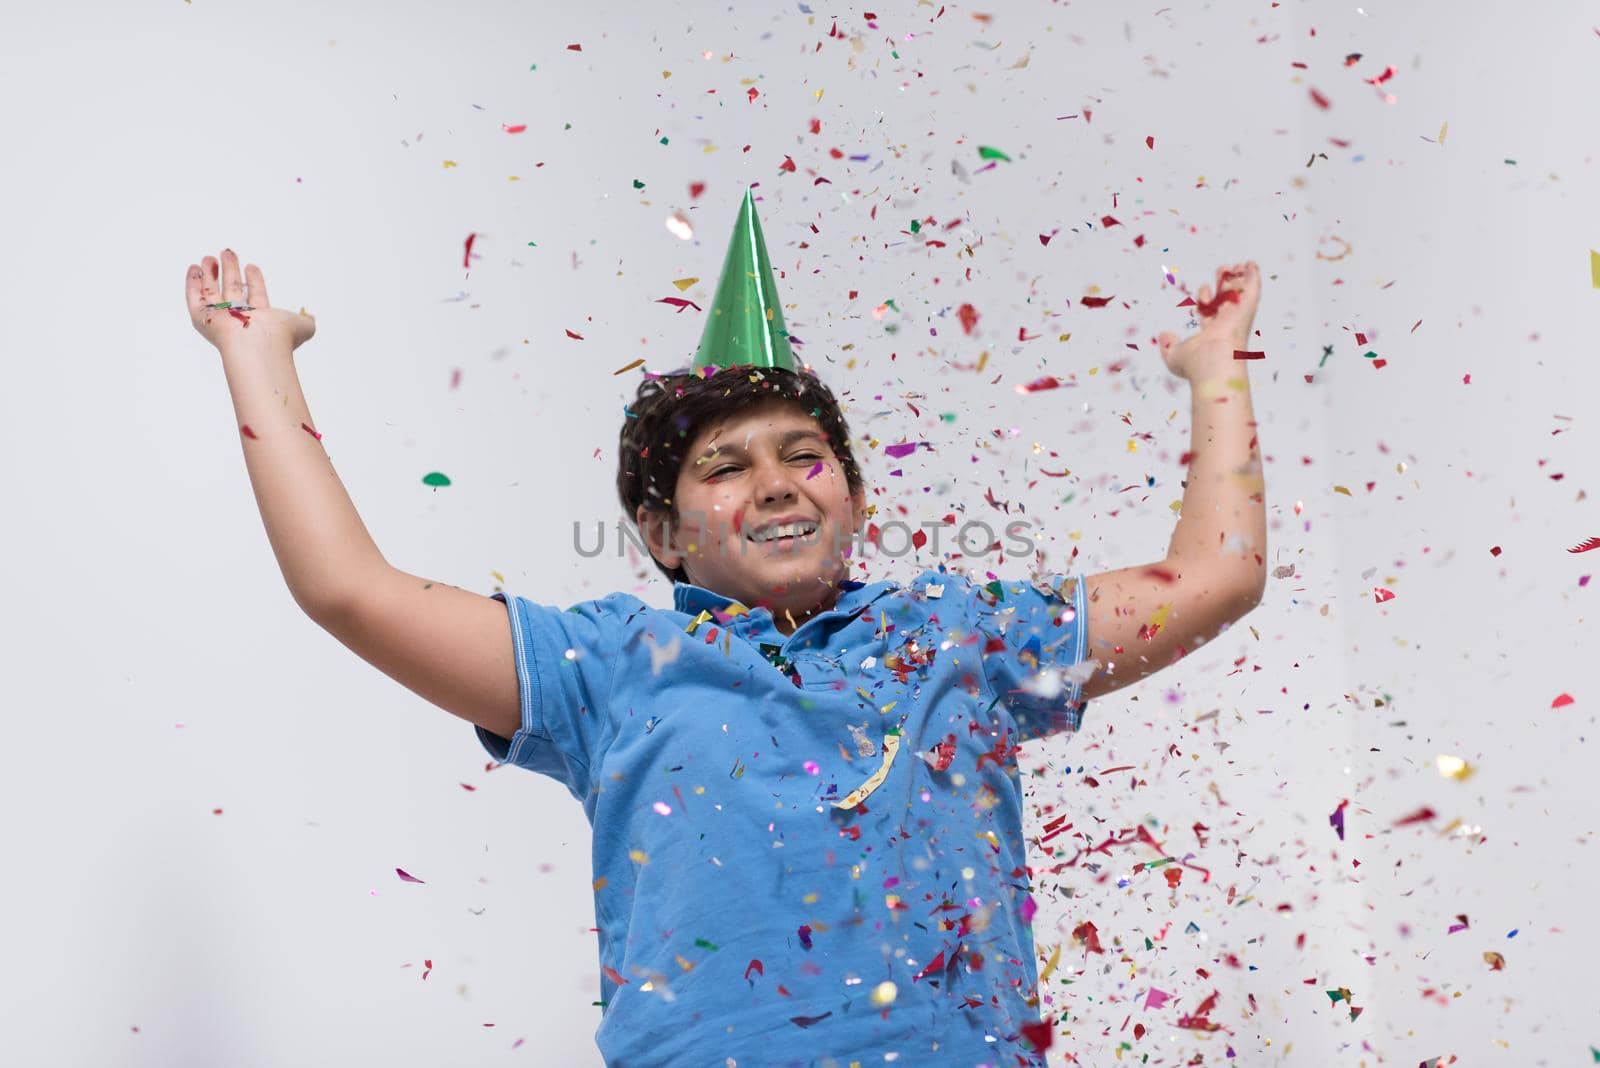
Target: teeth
786,530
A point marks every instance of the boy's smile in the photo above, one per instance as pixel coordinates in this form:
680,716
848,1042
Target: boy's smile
764,513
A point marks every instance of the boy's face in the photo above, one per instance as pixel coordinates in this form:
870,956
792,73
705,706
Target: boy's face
743,474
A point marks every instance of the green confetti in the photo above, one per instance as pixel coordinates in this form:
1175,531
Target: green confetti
916,225
985,152
434,478
638,184
703,944
663,140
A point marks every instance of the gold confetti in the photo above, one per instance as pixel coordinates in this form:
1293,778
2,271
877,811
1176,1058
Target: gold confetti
891,746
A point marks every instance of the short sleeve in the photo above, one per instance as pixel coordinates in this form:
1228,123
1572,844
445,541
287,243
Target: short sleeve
1034,639
565,662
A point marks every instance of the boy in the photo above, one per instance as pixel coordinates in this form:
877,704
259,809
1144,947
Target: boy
808,843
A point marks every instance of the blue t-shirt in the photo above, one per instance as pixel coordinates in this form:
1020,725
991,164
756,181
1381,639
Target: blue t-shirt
745,917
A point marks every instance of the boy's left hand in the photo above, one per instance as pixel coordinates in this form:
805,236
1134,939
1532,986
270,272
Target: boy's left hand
1225,322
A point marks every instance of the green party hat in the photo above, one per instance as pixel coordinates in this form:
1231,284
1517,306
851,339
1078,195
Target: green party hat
745,323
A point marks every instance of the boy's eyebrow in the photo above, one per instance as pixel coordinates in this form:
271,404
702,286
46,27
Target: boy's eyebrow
784,440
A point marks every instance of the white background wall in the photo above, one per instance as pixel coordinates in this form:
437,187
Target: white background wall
205,797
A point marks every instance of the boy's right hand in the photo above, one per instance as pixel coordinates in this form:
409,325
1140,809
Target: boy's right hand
214,281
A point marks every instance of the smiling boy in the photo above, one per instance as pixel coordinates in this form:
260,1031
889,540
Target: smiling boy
807,813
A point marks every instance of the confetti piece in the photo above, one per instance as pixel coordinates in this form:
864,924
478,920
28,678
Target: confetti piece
575,337
514,129
680,303
904,448
1244,354
684,283
628,367
1101,302
1562,702
435,478
251,434
1381,595
408,878
1337,819
985,152
1047,382
1443,129
466,255
313,433
1421,815
1453,767
891,746
1594,268
1039,1035
969,315
1321,101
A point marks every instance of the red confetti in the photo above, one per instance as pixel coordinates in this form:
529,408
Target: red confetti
1581,547
313,433
679,303
1108,221
1097,302
519,128
1047,382
466,257
239,315
755,966
408,878
575,48
1382,594
247,432
1209,308
1039,1035
1150,142
934,965
695,189
615,976
575,337
968,316
1562,701
1421,815
1321,101
1243,354
787,165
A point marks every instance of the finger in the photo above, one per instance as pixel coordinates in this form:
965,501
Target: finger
258,286
191,291
232,284
1204,297
1166,341
208,280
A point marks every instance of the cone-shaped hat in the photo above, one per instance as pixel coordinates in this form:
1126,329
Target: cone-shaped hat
745,323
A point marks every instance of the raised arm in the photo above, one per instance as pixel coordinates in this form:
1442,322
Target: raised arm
1144,618
448,645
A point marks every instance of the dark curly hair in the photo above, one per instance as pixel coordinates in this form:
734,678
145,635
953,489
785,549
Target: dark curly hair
671,409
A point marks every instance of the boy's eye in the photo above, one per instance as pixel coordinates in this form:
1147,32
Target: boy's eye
809,457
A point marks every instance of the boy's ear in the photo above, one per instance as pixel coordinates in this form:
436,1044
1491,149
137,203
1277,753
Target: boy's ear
656,528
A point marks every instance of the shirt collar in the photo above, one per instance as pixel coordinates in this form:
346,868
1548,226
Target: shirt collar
692,600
